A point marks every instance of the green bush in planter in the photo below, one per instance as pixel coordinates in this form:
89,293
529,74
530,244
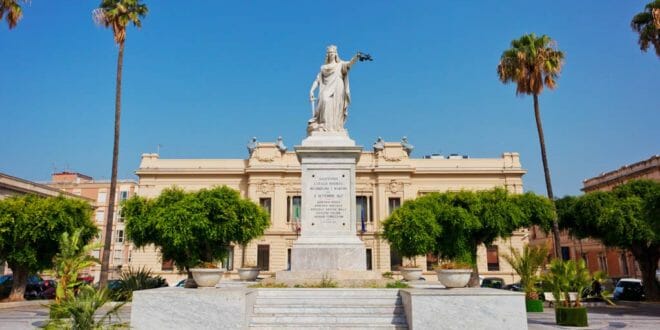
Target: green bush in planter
534,305
565,277
571,316
526,265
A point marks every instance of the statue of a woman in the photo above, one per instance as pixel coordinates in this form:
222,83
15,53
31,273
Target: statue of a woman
334,94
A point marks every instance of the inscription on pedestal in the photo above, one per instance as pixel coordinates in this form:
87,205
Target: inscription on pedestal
329,200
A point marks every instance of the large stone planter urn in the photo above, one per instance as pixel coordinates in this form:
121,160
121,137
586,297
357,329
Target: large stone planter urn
207,277
411,273
454,278
248,273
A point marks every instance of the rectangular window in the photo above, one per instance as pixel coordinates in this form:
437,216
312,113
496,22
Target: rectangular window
100,216
288,259
293,209
118,257
119,238
123,195
394,203
120,216
102,196
228,260
566,253
585,257
602,262
167,265
265,204
395,260
493,258
363,210
624,264
263,257
369,260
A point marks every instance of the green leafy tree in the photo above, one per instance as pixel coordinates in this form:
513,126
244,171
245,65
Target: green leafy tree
12,11
460,222
533,63
30,230
193,227
526,265
647,25
412,230
117,14
253,221
628,217
73,257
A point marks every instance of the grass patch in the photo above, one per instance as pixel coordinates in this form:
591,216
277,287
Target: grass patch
398,284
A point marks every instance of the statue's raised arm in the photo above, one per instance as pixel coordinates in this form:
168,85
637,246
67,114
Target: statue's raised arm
334,94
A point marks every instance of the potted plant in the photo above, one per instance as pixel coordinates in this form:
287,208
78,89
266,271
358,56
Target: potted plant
454,274
207,274
410,271
526,265
248,272
194,228
565,278
411,233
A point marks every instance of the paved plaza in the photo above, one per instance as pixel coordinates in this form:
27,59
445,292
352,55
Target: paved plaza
623,316
34,314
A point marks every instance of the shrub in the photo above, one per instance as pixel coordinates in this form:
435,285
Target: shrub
135,280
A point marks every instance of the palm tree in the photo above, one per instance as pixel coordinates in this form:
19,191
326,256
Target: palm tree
533,63
526,264
73,257
116,14
13,10
647,25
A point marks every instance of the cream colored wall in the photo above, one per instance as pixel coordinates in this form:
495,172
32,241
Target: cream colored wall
382,174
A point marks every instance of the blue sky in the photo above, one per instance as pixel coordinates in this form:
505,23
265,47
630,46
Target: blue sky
203,78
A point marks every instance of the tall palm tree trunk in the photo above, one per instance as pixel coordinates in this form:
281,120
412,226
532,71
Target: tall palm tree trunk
107,242
548,182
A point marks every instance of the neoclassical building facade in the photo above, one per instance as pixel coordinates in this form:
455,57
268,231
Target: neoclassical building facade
386,176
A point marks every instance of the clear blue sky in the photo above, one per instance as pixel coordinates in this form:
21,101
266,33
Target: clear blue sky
202,78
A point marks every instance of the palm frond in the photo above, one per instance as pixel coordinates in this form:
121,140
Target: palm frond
532,63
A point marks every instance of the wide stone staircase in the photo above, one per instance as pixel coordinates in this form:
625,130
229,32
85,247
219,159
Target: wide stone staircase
345,308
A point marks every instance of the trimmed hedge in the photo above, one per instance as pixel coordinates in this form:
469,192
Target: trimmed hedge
534,305
571,316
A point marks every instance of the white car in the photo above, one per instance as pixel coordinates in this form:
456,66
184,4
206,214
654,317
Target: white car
629,289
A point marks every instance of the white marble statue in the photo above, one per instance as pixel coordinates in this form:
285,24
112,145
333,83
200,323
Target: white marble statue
334,96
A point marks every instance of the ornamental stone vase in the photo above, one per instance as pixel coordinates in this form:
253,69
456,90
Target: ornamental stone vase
207,277
454,278
248,273
411,273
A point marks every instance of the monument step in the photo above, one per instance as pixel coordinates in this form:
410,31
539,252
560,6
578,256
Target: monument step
387,309
329,327
327,320
330,292
328,301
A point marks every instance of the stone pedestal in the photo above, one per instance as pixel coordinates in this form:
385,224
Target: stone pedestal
328,240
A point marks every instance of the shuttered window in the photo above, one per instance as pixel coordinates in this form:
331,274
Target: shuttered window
493,258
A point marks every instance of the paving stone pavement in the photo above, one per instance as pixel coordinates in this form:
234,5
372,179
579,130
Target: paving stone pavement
623,316
626,315
31,316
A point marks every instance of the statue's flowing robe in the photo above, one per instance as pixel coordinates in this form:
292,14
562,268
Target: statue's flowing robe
333,98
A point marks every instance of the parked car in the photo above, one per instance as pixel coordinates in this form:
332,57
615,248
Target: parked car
33,290
629,289
492,282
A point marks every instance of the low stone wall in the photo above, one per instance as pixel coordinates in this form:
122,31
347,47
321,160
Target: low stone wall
467,308
232,308
179,308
